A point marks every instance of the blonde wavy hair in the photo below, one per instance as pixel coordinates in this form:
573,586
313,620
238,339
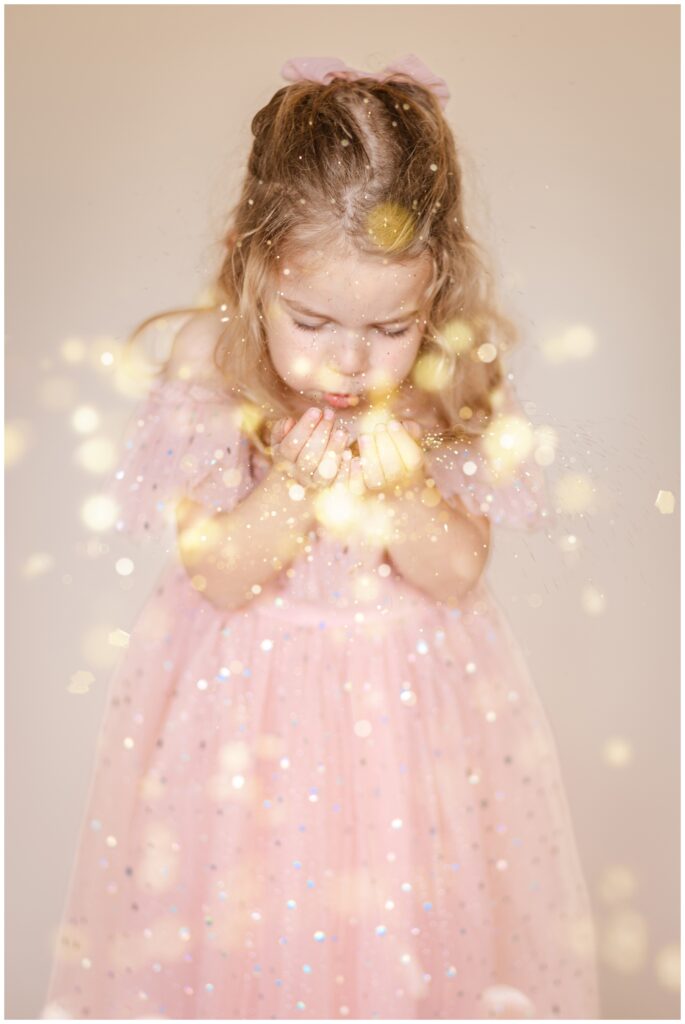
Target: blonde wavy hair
372,164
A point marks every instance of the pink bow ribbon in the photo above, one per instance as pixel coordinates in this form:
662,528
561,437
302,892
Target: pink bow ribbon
325,69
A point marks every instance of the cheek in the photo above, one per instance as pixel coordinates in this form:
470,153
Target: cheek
291,354
399,356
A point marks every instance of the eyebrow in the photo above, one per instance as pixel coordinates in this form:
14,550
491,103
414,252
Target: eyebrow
322,316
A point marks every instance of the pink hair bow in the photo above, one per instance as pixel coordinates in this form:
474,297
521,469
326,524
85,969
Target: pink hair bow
325,69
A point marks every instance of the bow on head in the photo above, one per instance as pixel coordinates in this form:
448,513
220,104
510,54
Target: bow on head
325,69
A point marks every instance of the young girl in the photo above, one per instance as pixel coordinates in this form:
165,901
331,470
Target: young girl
325,785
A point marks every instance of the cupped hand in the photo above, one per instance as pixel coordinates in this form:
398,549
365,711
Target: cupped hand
389,456
309,449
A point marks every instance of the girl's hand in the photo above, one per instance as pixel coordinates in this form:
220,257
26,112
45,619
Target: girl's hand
309,449
389,456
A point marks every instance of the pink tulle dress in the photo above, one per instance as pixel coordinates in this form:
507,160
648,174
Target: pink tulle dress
341,800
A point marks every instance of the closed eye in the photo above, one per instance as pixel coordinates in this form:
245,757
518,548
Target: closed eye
317,327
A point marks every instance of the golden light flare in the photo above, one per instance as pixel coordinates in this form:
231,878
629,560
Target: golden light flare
96,648
73,350
545,445
665,502
457,335
202,535
390,226
624,941
506,444
508,1002
575,493
97,455
487,352
57,393
430,497
99,513
617,751
119,638
37,564
592,600
55,1011
158,867
301,366
18,438
377,524
133,373
617,884
71,943
151,787
365,588
248,417
234,757
337,510
102,351
269,746
667,967
80,682
578,935
576,342
431,371
85,419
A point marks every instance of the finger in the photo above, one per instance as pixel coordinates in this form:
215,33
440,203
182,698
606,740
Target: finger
388,455
373,471
414,428
343,478
281,428
314,448
292,445
330,461
357,485
408,449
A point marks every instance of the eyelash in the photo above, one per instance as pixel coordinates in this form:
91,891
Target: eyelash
388,334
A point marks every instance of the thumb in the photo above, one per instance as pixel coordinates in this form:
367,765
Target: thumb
281,428
413,428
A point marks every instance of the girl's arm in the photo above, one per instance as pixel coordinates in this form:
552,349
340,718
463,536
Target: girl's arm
439,549
227,554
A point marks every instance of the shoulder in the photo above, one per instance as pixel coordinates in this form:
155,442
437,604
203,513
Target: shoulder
192,354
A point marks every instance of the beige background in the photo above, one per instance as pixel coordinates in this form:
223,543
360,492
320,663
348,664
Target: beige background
126,132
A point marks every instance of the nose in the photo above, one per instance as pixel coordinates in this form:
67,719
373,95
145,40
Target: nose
351,353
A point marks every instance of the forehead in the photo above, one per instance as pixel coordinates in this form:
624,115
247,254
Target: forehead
336,282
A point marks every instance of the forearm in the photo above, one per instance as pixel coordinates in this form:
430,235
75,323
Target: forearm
230,556
440,550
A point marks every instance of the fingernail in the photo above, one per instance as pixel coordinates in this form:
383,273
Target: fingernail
328,414
393,425
339,436
314,413
380,426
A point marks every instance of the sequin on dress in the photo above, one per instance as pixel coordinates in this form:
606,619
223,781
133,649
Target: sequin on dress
342,800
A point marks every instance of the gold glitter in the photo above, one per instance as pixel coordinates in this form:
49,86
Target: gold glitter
99,513
85,419
81,682
575,343
665,502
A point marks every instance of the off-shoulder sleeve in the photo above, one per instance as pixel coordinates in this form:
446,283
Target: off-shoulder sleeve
184,440
497,474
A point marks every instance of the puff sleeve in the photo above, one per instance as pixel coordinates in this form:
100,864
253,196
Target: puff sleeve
496,475
184,440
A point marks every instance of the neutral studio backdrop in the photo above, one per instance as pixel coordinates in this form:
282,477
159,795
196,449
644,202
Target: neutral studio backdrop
126,132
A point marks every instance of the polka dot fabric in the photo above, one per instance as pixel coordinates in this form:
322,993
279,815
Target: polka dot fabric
340,801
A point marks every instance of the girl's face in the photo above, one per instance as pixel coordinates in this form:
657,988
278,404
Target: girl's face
349,325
